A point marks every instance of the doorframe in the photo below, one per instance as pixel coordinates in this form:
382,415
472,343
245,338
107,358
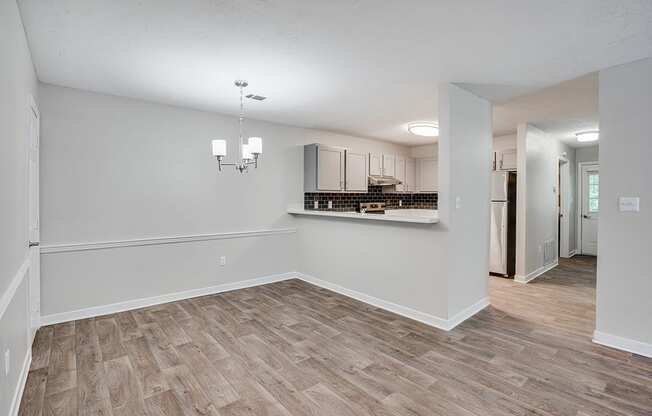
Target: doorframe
563,195
580,201
34,321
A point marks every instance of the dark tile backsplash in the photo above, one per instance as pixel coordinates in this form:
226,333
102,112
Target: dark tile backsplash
351,201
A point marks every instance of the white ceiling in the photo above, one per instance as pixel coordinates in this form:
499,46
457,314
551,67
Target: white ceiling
561,110
365,67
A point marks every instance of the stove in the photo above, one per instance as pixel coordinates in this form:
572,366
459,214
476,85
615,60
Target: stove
372,207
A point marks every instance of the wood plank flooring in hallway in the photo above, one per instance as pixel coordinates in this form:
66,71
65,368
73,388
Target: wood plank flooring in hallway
290,348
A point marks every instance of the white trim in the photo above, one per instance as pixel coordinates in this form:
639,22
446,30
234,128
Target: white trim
538,272
431,320
22,381
157,300
8,295
579,202
571,254
465,314
621,343
99,245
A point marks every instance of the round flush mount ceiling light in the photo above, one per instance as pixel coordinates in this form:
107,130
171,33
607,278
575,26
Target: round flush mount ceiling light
424,128
588,136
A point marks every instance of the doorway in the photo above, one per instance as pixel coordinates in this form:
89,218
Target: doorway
589,208
563,201
33,143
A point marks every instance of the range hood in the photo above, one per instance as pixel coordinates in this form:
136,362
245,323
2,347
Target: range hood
383,181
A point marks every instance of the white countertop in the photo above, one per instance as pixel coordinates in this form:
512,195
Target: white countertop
419,216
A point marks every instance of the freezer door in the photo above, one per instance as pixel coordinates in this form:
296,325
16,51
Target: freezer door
499,186
498,245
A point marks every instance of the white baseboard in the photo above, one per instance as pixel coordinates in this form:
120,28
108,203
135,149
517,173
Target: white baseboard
441,323
465,314
625,344
157,300
538,272
22,381
431,320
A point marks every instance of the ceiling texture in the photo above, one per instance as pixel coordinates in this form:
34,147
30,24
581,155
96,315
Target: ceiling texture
363,67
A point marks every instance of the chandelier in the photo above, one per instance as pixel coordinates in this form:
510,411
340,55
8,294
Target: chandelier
249,151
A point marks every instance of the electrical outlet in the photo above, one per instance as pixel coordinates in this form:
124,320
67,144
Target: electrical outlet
222,260
315,204
400,202
330,204
7,361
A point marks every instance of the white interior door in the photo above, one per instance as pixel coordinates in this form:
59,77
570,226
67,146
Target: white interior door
590,210
356,171
33,132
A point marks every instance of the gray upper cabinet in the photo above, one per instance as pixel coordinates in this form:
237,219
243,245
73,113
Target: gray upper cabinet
334,169
410,184
427,175
356,171
375,164
505,159
389,166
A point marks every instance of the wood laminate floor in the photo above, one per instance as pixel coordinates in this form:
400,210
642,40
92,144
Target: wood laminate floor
290,348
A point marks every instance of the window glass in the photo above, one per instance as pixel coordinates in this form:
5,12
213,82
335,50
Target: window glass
594,192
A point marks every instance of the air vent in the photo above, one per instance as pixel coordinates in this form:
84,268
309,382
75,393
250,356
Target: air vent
256,97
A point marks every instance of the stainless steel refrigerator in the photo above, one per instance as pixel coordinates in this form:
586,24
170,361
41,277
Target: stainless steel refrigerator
502,254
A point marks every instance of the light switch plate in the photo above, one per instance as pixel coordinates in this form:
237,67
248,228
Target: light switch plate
628,204
7,362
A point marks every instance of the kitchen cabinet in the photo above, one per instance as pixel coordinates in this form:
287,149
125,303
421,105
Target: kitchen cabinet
334,169
405,169
356,171
427,175
399,167
505,159
410,184
375,164
389,167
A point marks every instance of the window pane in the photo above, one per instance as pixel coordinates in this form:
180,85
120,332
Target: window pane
594,191
594,179
593,205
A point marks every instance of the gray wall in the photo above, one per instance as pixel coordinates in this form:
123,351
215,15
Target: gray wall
587,154
538,154
18,80
119,169
465,145
624,286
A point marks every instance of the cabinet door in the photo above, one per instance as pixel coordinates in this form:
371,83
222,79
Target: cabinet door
330,168
400,173
375,164
389,169
356,171
507,160
410,175
427,175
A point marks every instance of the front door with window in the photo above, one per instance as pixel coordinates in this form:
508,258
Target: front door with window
590,210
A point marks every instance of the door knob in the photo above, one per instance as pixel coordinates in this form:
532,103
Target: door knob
34,243
586,216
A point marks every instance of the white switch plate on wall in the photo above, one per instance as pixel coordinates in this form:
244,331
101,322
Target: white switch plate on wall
7,362
223,261
628,204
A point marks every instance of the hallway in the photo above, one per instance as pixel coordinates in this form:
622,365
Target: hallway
563,298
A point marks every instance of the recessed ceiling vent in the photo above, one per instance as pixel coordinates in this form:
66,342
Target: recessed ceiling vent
256,97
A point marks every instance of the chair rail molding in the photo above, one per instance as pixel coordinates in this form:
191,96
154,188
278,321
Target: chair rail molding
178,239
